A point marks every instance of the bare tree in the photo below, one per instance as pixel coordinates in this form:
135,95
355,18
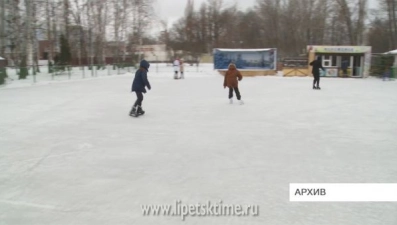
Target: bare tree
2,27
390,8
49,33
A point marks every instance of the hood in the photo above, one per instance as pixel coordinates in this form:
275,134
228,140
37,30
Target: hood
145,64
232,66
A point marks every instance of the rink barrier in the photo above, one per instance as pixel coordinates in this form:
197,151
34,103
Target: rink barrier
36,74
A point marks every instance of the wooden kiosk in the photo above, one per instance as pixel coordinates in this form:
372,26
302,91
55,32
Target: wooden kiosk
357,59
250,62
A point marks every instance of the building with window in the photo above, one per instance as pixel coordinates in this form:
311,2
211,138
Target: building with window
356,59
153,53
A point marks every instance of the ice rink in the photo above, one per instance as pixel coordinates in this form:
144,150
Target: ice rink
70,154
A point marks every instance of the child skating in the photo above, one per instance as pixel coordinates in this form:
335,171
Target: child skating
138,86
232,77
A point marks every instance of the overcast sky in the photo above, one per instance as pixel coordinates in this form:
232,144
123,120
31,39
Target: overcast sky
171,10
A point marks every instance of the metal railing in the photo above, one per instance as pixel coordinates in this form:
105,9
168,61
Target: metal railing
36,74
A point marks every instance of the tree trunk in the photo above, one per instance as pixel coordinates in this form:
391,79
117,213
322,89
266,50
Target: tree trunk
54,40
2,28
35,41
49,36
394,21
346,15
362,4
390,23
90,34
23,73
66,18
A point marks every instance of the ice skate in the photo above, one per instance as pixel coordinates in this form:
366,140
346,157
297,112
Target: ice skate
230,101
140,111
133,111
241,102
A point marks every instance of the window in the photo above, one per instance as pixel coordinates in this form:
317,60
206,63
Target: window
329,61
334,61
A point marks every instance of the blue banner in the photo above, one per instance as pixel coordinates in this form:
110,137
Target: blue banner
245,59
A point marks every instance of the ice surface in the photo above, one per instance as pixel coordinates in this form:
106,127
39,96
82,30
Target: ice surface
70,154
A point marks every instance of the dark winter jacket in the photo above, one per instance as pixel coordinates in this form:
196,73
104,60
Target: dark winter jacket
140,80
232,77
317,65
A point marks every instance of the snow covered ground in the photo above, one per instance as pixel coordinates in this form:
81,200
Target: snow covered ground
70,154
79,73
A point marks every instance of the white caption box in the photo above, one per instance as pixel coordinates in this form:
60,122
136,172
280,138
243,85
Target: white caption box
371,192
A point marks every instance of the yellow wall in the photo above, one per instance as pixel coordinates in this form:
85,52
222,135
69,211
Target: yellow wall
300,72
312,57
206,58
291,72
349,73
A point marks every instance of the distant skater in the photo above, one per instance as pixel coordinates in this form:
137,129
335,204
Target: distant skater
138,86
182,68
232,77
317,65
344,67
176,65
387,73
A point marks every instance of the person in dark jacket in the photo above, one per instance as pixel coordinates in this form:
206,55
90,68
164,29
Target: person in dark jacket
317,65
344,67
138,86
